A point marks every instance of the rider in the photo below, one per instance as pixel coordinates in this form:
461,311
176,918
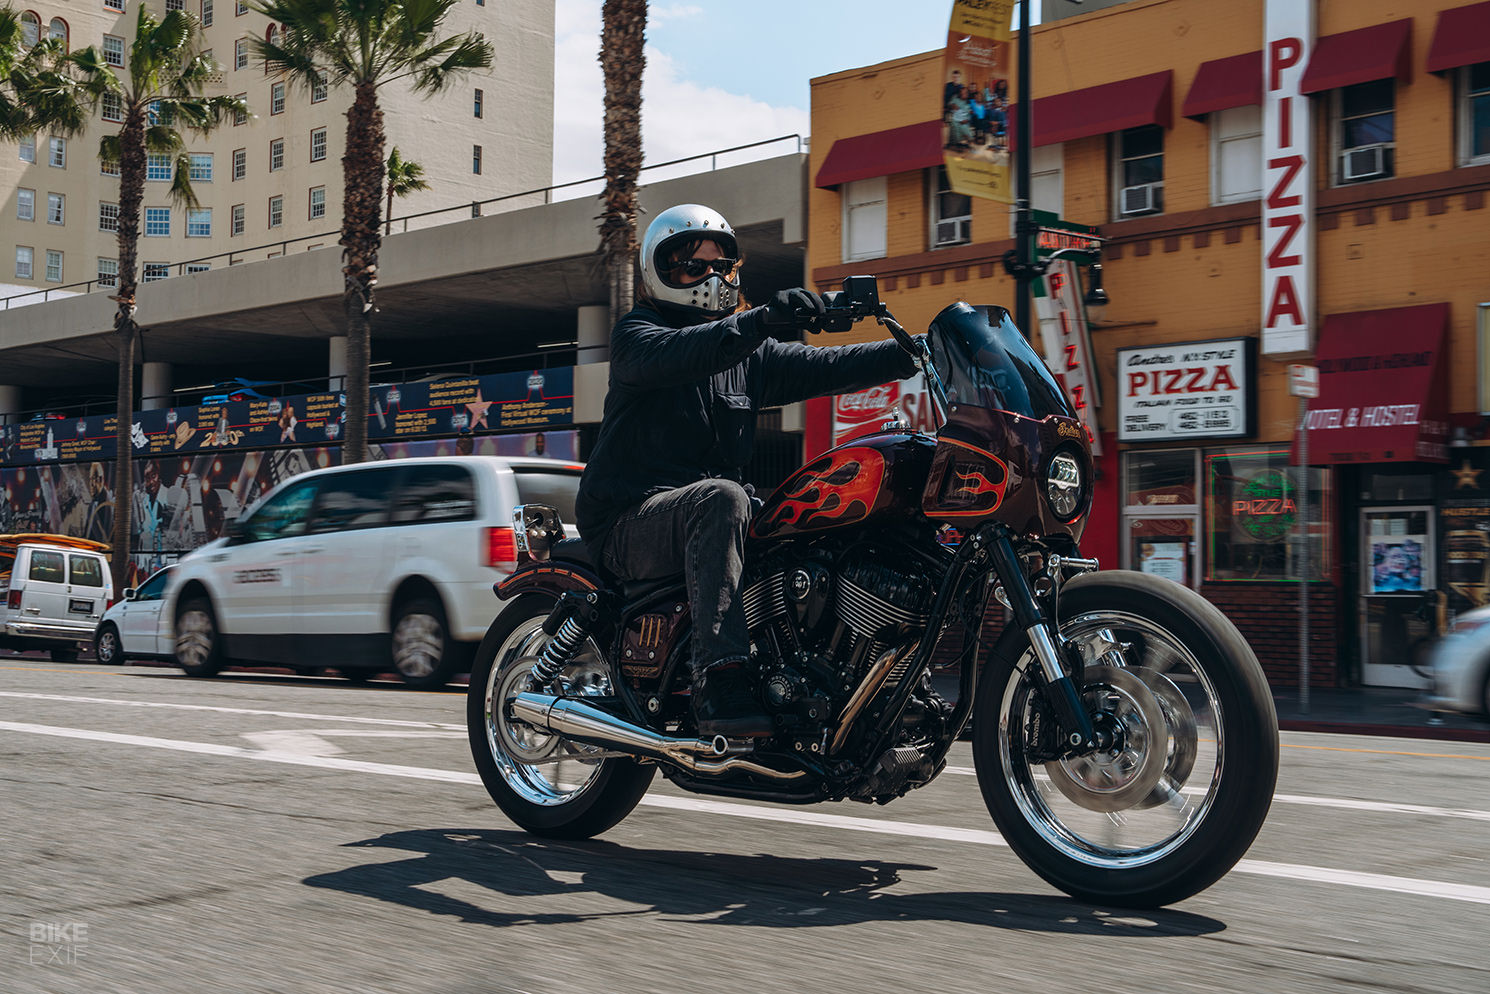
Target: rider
662,492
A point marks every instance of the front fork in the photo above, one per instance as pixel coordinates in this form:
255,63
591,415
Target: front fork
1057,659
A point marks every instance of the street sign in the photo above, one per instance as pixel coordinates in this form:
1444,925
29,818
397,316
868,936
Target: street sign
1303,380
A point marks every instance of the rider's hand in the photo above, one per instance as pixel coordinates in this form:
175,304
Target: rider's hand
792,310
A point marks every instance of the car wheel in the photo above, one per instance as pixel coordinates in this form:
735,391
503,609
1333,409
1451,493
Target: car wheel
1485,694
107,647
198,647
424,655
64,655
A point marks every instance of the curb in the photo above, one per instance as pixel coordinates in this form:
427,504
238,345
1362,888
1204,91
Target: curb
1440,733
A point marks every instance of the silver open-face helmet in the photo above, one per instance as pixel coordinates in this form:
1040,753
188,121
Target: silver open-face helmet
716,294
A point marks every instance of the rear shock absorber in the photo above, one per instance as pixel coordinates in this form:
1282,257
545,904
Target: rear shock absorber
567,626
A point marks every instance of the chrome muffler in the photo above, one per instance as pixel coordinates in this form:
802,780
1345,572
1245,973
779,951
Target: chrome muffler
586,723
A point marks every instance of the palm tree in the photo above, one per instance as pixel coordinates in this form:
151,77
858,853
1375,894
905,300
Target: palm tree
405,176
159,95
365,44
36,91
622,57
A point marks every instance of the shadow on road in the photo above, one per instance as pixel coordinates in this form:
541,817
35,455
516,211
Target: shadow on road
703,887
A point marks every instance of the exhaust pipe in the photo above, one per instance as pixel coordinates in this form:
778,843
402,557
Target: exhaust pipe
583,722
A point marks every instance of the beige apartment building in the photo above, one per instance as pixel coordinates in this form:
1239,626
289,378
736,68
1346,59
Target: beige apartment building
270,183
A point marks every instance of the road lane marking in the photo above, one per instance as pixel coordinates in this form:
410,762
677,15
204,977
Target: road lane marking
313,743
1291,871
398,722
1383,752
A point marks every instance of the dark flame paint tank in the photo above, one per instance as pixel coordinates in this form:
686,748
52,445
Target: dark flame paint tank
873,477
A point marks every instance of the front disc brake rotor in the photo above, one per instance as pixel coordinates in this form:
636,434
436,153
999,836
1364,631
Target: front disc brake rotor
1121,777
1183,734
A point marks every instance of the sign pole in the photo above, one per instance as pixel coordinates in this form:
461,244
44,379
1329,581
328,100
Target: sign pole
1304,556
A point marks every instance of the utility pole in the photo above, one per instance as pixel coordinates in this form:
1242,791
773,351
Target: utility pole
1023,269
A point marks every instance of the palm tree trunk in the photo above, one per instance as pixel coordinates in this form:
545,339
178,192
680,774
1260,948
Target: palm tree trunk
362,168
622,57
131,192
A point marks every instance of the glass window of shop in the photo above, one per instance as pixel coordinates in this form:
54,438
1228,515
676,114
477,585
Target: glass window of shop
1161,513
1252,515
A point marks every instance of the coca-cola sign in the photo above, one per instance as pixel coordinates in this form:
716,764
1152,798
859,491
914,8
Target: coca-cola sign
864,405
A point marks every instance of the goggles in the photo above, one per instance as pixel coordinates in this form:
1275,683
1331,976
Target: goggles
695,269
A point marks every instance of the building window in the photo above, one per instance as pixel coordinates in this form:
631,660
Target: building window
864,219
206,13
317,202
157,222
113,50
1251,500
241,8
318,145
1366,138
114,5
24,257
56,208
199,222
159,167
277,99
108,216
108,272
57,152
276,211
28,148
480,97
240,53
1474,115
155,271
276,155
25,205
112,107
240,163
1236,155
201,167
951,213
30,29
175,4
476,159
108,168
238,214
54,266
1140,171
318,90
240,112
198,267
57,31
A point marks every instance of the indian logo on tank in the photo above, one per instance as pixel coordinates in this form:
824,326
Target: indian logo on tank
838,489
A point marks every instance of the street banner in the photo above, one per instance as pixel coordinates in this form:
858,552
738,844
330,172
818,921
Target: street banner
975,100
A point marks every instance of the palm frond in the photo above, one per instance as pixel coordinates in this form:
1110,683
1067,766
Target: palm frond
162,139
181,191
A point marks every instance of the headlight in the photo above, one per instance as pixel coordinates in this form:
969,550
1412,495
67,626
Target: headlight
1063,485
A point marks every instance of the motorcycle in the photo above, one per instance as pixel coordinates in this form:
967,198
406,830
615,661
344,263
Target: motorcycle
1123,734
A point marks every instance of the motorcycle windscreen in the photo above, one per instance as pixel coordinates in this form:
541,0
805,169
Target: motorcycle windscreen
984,361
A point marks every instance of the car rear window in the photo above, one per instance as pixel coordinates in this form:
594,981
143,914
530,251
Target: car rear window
435,493
86,571
548,487
49,567
357,499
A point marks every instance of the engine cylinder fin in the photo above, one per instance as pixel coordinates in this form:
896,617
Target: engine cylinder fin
763,600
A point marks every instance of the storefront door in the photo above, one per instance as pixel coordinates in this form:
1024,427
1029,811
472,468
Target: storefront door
1396,569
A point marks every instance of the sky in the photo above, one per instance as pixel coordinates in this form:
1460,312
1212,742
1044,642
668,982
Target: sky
725,74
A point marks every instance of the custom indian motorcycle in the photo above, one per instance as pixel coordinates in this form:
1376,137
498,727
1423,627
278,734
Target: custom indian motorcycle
1123,734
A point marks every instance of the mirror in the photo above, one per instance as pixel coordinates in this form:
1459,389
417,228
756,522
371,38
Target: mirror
129,593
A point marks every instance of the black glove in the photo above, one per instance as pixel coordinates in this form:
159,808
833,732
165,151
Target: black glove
791,310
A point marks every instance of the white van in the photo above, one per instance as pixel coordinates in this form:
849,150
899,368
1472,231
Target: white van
53,591
368,568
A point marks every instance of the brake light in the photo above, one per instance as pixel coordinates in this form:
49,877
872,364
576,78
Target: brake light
13,600
501,548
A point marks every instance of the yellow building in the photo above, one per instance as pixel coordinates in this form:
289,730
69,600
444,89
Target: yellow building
1166,124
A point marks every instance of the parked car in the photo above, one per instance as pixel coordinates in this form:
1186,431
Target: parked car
1461,665
364,569
136,627
54,590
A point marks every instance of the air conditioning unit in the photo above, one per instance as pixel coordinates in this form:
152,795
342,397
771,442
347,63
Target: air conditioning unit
1366,162
954,231
1142,199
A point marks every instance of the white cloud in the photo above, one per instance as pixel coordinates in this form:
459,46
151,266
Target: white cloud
680,117
673,12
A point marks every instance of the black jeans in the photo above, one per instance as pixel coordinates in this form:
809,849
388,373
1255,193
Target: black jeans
698,530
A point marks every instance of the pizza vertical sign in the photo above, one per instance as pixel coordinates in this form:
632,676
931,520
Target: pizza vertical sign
1288,179
1068,347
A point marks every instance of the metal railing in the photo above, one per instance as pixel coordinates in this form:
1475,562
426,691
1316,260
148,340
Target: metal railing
474,209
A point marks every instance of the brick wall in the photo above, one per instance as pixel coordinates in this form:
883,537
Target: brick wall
1267,614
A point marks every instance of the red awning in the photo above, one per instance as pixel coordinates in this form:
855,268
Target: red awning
1101,110
1462,38
882,153
1382,51
1222,84
1383,393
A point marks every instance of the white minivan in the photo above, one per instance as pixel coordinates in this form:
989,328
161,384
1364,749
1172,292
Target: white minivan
368,568
53,591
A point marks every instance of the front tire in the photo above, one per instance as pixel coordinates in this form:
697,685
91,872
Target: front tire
546,784
198,643
424,654
106,646
1178,802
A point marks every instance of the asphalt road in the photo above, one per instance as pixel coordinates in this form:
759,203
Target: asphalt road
251,833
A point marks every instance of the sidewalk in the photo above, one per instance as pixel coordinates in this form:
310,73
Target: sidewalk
1374,711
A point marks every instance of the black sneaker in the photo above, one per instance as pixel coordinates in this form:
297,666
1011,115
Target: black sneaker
724,705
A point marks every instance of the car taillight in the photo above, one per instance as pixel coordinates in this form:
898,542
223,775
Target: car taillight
13,600
501,548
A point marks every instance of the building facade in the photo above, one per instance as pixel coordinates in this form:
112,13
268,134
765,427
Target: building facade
1271,193
269,183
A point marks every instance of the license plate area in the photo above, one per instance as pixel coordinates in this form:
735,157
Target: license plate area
77,606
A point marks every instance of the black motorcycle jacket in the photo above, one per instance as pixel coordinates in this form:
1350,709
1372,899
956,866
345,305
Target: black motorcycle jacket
683,397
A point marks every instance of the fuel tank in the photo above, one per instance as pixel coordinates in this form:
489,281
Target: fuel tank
873,477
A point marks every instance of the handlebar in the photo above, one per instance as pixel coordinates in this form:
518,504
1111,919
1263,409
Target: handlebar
859,299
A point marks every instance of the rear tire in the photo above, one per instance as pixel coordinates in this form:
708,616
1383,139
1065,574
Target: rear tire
524,770
107,647
198,644
424,654
1177,804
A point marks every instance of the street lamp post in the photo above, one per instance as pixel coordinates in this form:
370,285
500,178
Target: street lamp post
1023,269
